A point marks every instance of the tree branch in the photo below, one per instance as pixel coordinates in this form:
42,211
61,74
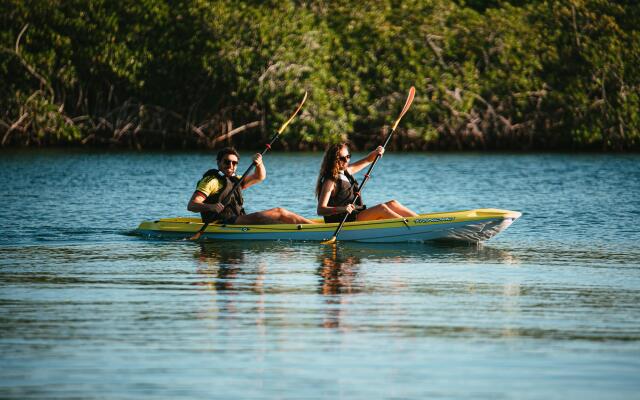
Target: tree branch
235,131
12,127
25,64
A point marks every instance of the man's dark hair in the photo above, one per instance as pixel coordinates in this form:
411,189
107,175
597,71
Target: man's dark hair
225,151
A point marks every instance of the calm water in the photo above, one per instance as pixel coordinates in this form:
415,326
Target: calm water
548,309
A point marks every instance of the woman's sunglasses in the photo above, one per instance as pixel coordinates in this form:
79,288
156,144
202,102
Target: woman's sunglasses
344,158
229,162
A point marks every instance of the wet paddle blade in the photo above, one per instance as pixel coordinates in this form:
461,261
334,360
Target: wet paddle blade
333,240
197,235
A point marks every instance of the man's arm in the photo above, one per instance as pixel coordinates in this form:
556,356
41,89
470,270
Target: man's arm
258,175
197,204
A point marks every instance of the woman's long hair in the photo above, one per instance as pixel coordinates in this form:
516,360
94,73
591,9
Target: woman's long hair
329,168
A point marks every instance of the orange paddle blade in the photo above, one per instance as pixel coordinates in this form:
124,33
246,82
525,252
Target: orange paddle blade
407,104
330,241
283,127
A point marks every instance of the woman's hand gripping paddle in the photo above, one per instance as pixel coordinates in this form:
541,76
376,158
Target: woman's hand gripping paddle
407,104
267,147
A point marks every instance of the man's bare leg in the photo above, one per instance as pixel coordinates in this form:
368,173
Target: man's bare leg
276,215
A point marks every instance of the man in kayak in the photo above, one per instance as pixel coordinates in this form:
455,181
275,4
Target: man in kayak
217,184
335,192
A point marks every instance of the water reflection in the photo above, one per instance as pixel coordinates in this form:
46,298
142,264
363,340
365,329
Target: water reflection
231,255
449,252
337,273
230,268
243,276
229,274
221,262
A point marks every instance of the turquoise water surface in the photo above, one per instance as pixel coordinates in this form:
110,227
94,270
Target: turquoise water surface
549,308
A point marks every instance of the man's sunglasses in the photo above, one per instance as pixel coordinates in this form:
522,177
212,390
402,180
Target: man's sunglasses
344,158
229,162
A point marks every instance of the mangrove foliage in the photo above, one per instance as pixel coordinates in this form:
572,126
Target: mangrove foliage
489,74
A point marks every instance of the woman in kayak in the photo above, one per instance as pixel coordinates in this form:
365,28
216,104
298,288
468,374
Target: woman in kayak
336,189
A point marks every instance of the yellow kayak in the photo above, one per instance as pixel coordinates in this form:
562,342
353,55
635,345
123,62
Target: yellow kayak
468,226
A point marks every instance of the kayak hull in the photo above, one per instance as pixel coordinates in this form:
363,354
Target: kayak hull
467,226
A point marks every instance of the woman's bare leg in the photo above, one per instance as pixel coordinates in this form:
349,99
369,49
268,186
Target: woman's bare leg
400,209
380,211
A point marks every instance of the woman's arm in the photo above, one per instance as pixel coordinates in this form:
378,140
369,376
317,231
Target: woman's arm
323,200
360,164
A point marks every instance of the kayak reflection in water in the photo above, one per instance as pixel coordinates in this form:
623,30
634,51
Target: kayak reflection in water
220,264
337,281
218,184
336,189
337,273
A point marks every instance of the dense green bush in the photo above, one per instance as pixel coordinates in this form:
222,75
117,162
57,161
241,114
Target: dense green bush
556,74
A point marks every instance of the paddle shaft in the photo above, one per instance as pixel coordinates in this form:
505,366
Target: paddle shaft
267,147
225,201
364,182
407,104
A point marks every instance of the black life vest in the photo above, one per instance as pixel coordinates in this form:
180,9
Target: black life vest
343,194
233,201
